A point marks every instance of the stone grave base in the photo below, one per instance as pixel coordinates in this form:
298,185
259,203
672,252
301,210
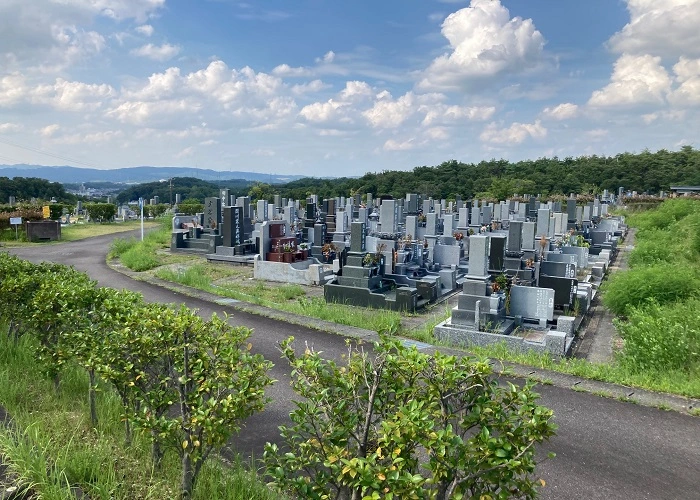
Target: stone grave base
551,342
299,273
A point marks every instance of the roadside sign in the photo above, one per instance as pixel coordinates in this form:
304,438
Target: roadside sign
47,211
16,221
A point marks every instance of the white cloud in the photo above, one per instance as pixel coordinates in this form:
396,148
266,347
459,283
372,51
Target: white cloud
449,114
323,112
564,111
140,10
688,75
157,52
141,112
389,113
51,35
146,30
485,43
184,153
393,145
668,28
437,133
309,88
356,91
515,134
50,130
78,96
636,80
9,127
12,89
287,70
327,58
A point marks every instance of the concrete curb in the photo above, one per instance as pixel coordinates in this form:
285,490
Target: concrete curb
622,393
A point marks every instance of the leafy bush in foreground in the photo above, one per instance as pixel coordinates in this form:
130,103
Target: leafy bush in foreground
399,423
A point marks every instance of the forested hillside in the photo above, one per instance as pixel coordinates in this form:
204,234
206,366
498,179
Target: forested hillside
26,188
187,187
643,172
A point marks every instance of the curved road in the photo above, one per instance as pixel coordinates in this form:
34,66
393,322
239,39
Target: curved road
604,448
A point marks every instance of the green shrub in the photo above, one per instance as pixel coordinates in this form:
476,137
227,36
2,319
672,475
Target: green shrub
139,259
652,251
665,215
663,283
120,246
662,338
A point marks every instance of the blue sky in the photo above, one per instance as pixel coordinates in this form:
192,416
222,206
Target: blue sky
342,88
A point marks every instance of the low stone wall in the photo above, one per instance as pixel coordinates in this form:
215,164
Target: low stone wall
555,342
282,272
48,230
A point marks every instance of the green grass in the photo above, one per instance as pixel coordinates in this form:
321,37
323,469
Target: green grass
672,381
55,447
284,297
142,255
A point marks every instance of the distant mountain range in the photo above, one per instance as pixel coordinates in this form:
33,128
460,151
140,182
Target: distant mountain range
135,175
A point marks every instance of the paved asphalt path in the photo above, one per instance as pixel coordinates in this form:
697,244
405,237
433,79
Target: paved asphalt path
605,448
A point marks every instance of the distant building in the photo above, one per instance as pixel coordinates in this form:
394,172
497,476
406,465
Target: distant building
685,190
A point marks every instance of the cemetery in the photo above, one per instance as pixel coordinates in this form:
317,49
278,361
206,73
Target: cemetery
522,271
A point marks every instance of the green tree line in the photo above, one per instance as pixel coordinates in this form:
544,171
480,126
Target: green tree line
186,187
26,188
642,172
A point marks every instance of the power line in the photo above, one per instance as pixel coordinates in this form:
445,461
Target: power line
50,154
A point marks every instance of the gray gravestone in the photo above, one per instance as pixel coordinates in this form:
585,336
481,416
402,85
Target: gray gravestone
478,256
515,236
212,212
387,216
542,222
358,237
528,236
532,303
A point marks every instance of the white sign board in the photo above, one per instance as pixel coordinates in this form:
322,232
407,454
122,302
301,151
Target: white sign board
15,220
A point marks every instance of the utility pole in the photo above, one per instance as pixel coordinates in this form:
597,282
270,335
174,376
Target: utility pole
171,192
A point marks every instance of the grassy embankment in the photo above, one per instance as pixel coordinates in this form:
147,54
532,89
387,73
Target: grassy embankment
56,448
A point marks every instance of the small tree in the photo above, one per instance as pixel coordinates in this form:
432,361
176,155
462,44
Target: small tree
60,307
403,424
101,212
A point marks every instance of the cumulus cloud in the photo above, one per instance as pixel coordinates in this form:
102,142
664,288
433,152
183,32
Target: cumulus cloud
78,96
13,89
324,112
636,80
390,113
687,73
485,43
145,30
564,111
157,52
667,28
513,135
